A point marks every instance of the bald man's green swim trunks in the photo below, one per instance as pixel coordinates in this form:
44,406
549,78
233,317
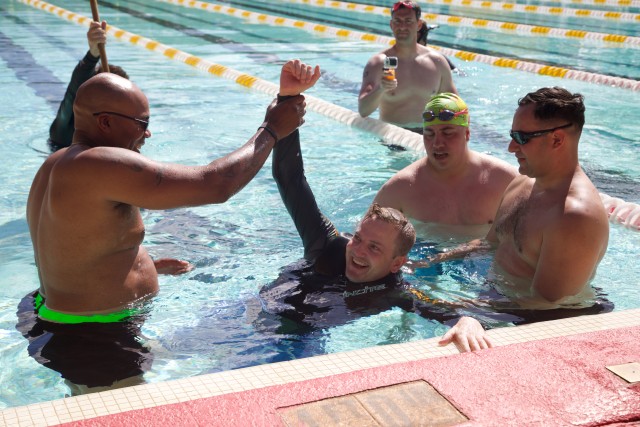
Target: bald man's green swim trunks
45,313
94,350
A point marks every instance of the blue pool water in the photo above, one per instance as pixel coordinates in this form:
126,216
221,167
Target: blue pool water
204,321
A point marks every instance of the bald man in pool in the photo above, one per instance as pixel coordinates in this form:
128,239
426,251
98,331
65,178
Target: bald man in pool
84,210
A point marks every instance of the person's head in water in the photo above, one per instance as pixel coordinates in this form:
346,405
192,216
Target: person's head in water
380,244
446,131
114,69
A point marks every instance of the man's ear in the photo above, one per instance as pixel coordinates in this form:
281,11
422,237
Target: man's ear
397,263
104,122
558,138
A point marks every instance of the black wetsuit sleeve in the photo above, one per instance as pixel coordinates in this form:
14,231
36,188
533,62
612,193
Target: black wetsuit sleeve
435,309
62,128
315,230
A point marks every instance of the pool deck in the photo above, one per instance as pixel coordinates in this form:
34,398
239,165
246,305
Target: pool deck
548,373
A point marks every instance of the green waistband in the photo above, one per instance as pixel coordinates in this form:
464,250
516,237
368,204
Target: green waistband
55,316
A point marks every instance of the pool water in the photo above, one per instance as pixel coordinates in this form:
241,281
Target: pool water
205,321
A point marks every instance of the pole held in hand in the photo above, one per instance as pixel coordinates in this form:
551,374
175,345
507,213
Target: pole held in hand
103,51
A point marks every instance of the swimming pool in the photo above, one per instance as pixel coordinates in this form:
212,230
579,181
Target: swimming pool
202,322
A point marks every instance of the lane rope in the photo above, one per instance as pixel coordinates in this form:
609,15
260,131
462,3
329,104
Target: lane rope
389,133
542,10
619,211
531,67
619,3
499,26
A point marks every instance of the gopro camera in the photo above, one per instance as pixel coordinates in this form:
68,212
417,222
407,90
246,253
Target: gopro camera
391,62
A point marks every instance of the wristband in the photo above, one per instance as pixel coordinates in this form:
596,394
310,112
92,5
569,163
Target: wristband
285,97
271,132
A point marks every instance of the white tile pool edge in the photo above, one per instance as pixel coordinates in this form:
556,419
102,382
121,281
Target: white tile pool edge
203,386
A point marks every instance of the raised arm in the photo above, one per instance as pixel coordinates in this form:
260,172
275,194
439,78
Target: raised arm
373,86
62,127
315,230
122,175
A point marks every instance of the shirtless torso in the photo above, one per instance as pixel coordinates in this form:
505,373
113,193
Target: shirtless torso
470,199
419,78
452,186
79,271
84,204
554,238
422,72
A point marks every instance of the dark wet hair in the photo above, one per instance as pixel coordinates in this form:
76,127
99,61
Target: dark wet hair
113,69
556,102
407,5
406,232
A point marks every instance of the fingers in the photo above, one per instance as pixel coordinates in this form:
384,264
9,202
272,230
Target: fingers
467,335
447,338
305,73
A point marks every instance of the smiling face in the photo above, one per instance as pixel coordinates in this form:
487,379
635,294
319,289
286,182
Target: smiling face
372,253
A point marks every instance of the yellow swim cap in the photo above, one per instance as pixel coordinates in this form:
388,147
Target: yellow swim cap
445,109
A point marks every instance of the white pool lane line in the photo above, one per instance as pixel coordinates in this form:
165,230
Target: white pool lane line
203,386
388,133
530,67
496,26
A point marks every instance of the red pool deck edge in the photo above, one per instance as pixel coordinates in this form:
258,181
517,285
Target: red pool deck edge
556,381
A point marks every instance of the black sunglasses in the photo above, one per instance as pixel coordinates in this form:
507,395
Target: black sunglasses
144,124
443,115
524,137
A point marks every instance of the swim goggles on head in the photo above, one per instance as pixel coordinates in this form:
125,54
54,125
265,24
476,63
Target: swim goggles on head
522,138
443,115
407,4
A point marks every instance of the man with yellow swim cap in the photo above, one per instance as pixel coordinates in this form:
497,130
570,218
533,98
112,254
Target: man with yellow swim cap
453,187
551,229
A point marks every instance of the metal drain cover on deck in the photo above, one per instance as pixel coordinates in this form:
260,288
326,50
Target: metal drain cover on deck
409,404
630,372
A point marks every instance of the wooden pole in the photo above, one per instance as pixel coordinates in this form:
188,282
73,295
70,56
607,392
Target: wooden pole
103,51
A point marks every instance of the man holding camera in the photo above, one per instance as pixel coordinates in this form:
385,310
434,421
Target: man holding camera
420,73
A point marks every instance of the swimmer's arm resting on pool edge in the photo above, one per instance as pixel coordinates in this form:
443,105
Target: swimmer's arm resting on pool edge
467,335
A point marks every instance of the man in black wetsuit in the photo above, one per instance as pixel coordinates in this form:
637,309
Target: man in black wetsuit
344,277
62,128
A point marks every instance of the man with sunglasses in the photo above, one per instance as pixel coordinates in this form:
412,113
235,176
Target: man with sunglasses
421,73
551,230
84,218
62,127
453,190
